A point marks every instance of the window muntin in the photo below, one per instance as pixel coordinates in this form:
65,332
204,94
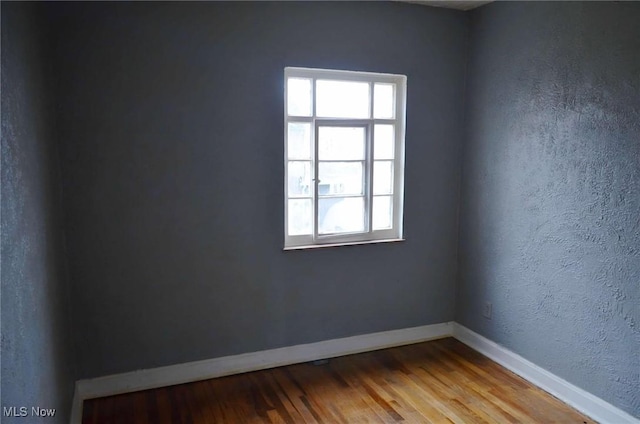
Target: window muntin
344,156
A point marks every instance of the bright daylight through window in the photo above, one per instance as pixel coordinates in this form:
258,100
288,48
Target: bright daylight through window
344,156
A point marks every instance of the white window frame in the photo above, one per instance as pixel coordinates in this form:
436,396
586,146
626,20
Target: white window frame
399,122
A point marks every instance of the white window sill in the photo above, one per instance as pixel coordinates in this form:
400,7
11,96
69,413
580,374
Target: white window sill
351,243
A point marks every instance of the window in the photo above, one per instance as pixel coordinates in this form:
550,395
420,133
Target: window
344,156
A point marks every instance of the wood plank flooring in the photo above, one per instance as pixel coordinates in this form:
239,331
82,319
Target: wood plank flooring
441,381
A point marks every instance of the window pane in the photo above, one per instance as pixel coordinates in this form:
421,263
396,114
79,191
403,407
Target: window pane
299,141
299,177
382,212
342,99
383,101
383,143
299,96
299,214
382,177
341,143
340,178
342,215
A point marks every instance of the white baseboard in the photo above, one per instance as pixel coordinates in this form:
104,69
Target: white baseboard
235,364
581,400
76,407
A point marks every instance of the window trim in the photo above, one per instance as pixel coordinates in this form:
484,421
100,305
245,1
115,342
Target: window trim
395,233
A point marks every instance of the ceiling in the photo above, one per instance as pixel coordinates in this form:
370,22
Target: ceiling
452,4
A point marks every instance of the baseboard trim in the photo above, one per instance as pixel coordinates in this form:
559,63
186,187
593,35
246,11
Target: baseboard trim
236,364
578,398
76,407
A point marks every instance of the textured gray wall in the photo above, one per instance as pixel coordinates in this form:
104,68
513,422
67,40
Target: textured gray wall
170,117
172,141
550,211
37,359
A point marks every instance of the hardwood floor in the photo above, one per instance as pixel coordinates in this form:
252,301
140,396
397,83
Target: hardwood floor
441,381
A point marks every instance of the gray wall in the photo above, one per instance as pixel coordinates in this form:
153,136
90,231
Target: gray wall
169,118
37,359
172,142
550,211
